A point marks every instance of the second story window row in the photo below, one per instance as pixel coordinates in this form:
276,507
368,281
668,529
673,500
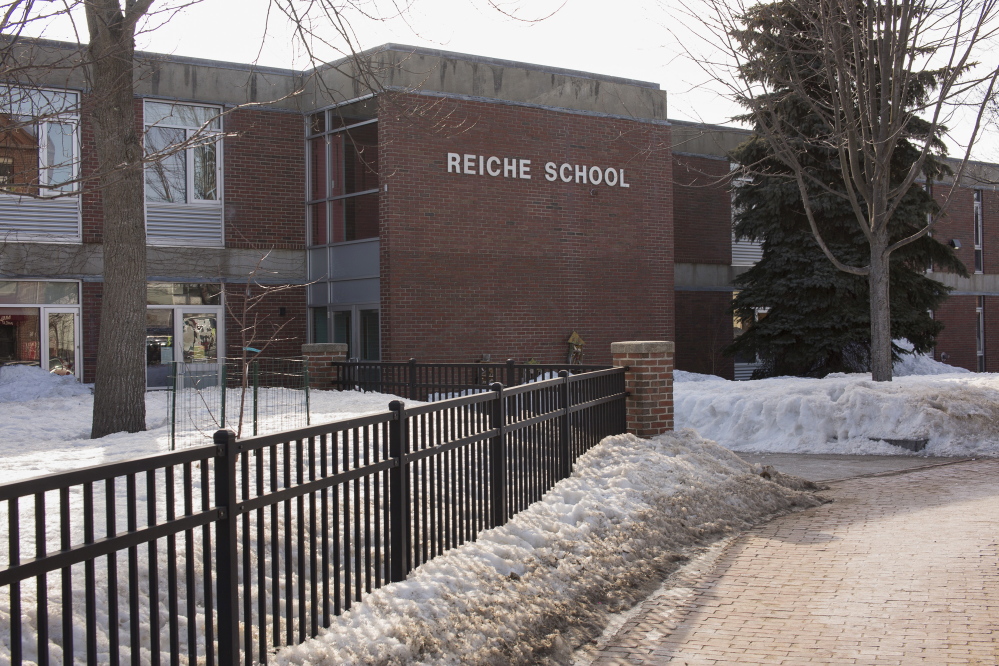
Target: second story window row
343,174
39,164
183,174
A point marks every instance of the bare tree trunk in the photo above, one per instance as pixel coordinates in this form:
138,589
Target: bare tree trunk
119,393
881,363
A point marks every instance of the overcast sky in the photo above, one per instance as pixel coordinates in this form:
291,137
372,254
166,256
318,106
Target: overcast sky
636,39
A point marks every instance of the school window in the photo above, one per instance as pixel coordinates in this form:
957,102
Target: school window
39,157
40,325
38,141
343,174
979,262
183,174
980,333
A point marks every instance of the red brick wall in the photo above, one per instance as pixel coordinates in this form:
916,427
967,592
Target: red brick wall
958,337
958,223
90,327
703,329
474,265
287,331
702,211
264,186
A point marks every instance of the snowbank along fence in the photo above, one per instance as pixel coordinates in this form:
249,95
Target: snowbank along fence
219,554
429,382
261,396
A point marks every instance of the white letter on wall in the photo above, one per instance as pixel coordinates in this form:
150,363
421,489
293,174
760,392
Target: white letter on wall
581,174
489,166
509,167
550,173
453,162
623,184
565,173
470,164
525,169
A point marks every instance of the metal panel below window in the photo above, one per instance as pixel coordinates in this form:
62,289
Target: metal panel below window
24,218
746,253
178,224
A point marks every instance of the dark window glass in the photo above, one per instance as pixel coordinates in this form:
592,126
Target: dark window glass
360,217
370,349
360,159
317,165
20,336
341,328
318,234
320,326
350,114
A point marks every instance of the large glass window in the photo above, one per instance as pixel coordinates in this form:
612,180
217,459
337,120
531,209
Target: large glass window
38,141
39,325
182,144
343,174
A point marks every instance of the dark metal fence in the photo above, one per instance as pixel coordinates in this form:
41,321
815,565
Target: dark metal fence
262,396
264,540
430,382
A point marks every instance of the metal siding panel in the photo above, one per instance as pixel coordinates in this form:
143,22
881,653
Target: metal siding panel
184,225
746,253
24,218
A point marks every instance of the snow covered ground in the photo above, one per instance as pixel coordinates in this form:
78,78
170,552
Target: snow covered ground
957,411
45,423
532,590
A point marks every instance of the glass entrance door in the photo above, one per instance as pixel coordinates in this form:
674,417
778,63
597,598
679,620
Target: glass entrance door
188,335
159,347
62,341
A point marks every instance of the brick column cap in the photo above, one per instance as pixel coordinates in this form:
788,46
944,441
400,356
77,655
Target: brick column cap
325,348
642,347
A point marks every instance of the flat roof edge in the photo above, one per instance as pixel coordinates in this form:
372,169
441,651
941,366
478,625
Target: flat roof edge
440,53
530,105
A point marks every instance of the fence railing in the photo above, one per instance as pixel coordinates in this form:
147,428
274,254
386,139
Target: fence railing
259,397
429,382
222,553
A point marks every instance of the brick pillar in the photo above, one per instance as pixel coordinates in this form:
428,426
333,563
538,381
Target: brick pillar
650,382
318,357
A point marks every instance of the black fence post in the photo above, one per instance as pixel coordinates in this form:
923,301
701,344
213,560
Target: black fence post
412,380
227,573
399,499
511,373
497,457
564,448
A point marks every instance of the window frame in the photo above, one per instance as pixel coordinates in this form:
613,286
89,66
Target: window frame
189,152
42,123
328,199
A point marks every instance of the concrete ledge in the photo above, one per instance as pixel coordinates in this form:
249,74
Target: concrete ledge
325,348
642,347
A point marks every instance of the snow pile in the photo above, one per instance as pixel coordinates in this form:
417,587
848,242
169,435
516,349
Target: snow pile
683,376
537,587
958,413
19,383
920,364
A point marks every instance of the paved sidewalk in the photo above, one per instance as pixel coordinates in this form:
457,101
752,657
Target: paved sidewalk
897,570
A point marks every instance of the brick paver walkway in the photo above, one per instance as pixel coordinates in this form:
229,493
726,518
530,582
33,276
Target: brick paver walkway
897,570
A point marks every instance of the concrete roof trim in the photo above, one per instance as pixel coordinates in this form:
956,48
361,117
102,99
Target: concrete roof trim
530,105
454,55
218,64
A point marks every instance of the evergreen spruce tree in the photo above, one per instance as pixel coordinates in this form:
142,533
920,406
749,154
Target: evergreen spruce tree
809,318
